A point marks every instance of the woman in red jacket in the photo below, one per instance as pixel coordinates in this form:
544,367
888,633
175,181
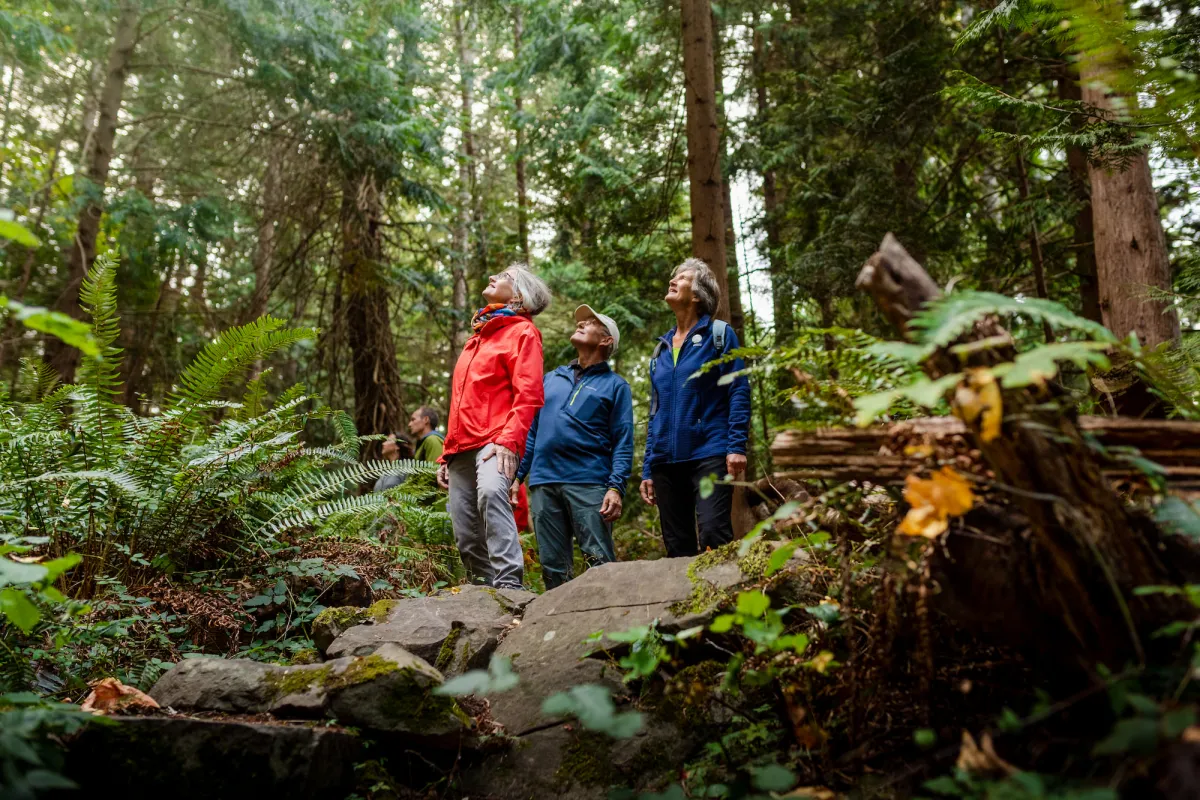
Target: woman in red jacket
496,391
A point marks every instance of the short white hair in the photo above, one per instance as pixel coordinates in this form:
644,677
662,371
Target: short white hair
530,293
704,284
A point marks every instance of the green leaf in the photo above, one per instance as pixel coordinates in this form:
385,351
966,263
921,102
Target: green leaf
1040,364
753,604
17,608
18,233
722,624
15,572
944,785
71,331
1178,516
1137,735
593,706
922,391
498,677
1177,720
773,778
924,738
826,612
780,557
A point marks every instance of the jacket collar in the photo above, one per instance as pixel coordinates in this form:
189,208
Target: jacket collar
496,323
568,370
700,327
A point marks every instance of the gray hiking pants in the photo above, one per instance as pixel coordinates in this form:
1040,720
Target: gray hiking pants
484,527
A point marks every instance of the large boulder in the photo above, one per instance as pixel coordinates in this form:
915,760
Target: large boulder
548,653
390,690
455,629
161,756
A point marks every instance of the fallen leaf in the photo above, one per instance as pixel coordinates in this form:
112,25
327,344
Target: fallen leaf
919,450
109,694
812,793
933,501
1191,734
455,589
977,401
981,759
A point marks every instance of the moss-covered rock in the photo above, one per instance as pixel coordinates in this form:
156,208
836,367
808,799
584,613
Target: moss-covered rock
333,622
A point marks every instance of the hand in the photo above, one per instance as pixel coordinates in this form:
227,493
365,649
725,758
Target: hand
443,476
647,492
506,460
735,464
514,493
610,509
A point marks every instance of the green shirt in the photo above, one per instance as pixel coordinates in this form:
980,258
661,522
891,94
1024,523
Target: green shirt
430,448
675,355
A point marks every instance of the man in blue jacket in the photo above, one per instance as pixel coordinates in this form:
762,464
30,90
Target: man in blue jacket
579,452
699,422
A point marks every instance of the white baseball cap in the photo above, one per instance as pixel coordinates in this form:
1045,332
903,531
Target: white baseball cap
587,312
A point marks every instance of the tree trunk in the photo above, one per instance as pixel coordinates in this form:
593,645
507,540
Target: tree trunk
378,405
82,249
1131,247
264,246
737,316
1035,240
519,125
460,273
781,288
704,151
1084,237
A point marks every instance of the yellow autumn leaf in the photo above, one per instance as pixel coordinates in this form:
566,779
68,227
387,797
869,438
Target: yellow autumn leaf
977,401
933,501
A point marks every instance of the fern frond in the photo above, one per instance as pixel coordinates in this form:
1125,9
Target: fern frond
232,353
941,322
37,379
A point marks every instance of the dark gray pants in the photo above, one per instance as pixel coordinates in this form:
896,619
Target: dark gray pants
484,527
561,511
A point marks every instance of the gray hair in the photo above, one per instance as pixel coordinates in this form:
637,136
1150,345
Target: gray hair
530,293
704,284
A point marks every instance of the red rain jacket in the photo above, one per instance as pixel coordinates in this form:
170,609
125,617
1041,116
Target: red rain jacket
497,387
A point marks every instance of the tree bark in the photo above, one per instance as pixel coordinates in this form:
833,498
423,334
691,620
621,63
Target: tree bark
264,245
378,403
519,126
1035,240
1083,234
1131,247
460,273
82,250
704,151
737,316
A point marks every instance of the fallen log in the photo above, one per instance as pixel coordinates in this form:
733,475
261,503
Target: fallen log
884,454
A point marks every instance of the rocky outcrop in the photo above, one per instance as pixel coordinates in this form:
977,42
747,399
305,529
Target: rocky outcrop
390,690
178,757
549,655
455,630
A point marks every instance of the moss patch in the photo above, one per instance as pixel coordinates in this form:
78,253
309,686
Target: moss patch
342,617
505,606
445,657
298,681
587,761
306,656
379,610
706,595
413,703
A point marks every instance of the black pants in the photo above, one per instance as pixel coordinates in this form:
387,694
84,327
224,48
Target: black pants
680,506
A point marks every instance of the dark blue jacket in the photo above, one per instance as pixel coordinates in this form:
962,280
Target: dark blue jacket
584,432
695,417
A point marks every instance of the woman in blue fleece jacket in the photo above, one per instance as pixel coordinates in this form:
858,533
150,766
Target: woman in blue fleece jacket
698,427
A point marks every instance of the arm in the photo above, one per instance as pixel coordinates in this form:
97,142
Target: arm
739,401
527,461
525,367
620,422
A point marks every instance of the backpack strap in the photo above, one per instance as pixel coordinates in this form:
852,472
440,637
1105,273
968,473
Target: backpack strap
658,348
719,328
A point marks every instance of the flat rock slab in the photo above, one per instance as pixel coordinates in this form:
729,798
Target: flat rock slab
178,757
389,690
455,629
547,648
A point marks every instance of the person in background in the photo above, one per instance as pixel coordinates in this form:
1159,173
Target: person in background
395,447
698,427
580,452
422,426
495,393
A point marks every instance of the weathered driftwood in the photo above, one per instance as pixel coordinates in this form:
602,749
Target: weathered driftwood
877,454
1086,550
